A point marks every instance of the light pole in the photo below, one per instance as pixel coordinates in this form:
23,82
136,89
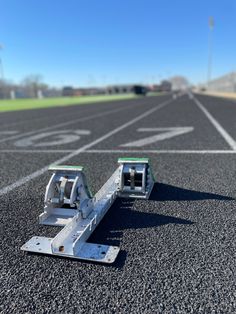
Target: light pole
1,65
209,70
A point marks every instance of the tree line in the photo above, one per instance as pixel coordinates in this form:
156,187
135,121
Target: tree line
31,86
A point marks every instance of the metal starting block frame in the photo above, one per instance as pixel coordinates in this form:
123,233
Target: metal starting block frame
69,203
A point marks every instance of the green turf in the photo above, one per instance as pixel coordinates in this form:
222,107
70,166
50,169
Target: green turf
24,104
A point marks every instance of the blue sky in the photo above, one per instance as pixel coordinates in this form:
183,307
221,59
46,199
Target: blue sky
99,42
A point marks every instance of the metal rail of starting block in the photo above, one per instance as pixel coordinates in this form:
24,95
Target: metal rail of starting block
69,203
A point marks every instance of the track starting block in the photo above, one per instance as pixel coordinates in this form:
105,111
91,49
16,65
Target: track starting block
69,204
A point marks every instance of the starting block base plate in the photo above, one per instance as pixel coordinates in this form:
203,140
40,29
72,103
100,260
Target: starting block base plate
57,220
59,217
88,251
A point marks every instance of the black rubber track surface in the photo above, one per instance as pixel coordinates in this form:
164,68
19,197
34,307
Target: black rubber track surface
177,249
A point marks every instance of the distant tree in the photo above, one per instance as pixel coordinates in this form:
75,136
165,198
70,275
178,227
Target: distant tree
28,88
179,82
32,84
5,89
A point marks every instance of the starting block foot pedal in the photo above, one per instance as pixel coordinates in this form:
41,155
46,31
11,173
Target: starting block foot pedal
66,194
136,178
88,252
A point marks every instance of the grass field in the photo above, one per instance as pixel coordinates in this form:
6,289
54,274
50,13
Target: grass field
24,104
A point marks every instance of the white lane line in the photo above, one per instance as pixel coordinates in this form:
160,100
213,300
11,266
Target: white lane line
37,150
59,125
174,128
117,151
8,132
152,151
37,173
231,142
